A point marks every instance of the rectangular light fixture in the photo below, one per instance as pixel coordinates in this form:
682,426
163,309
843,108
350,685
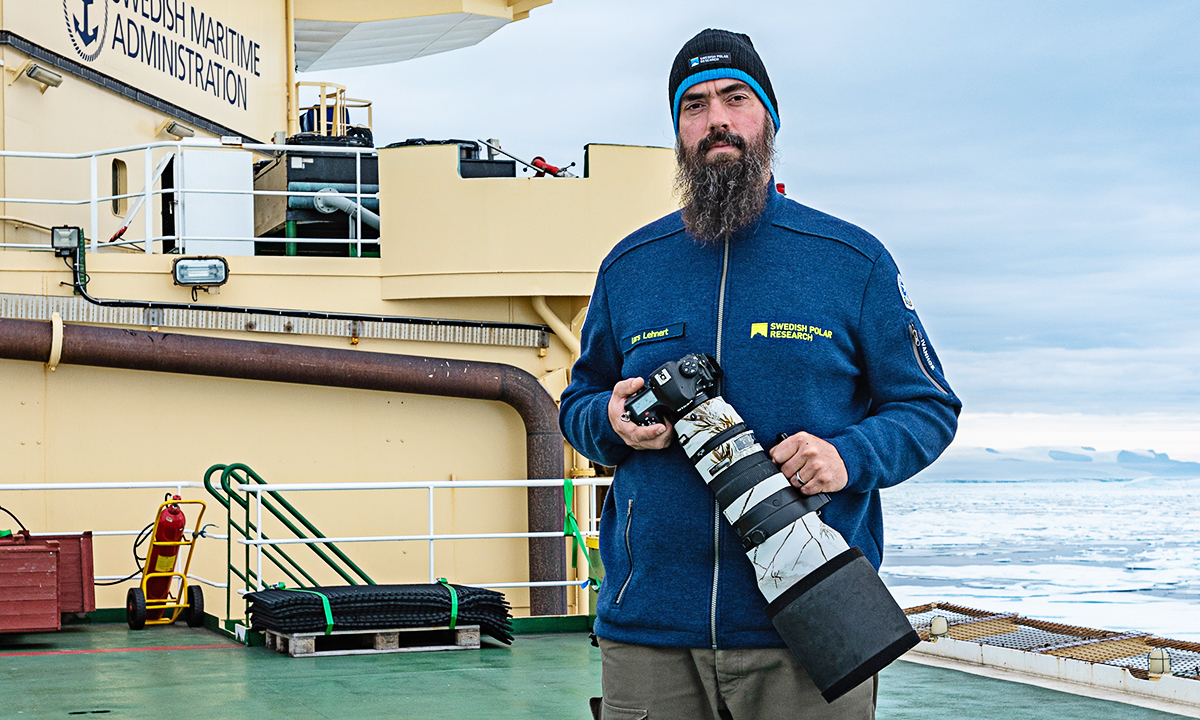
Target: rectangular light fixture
66,240
178,130
44,75
200,271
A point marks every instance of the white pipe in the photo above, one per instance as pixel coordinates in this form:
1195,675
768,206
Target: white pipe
329,200
561,331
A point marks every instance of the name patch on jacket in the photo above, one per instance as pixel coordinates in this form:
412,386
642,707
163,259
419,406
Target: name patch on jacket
645,336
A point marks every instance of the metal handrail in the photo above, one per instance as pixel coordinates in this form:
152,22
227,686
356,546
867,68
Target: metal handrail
230,570
267,548
94,198
231,471
250,575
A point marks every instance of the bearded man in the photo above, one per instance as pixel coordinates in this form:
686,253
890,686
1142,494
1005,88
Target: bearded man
809,319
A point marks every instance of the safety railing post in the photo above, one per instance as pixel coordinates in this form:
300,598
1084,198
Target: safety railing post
432,574
94,203
148,203
229,591
177,200
358,199
258,549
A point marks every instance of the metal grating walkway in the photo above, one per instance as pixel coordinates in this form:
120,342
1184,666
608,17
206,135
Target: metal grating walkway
1125,650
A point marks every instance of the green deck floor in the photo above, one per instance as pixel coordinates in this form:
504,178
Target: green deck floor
108,670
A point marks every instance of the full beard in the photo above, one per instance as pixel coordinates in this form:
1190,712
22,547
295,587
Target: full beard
725,194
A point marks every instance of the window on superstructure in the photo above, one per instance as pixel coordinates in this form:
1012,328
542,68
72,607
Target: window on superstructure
120,186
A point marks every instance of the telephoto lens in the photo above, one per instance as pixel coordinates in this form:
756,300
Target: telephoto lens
824,597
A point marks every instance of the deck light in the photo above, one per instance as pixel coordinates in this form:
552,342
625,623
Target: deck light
200,272
939,627
66,240
43,75
1159,663
176,129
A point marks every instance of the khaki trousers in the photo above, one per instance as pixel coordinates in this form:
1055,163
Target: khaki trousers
645,683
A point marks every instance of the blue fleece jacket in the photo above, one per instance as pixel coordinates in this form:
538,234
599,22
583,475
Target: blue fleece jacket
815,333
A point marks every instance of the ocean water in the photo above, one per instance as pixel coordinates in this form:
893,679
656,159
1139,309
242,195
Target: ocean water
1109,552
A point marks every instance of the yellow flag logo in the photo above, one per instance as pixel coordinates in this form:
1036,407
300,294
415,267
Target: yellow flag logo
757,329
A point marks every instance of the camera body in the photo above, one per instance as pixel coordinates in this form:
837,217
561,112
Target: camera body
673,389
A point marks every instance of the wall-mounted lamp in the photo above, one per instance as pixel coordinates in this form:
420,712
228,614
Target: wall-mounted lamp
175,129
66,240
201,273
38,73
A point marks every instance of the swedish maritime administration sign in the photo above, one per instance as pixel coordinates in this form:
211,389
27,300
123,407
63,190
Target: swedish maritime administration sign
192,47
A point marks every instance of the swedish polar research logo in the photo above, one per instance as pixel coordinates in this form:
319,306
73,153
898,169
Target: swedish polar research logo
757,329
87,25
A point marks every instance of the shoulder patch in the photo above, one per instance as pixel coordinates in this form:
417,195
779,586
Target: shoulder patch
903,293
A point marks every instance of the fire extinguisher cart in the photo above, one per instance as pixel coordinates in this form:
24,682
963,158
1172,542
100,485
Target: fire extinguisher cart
153,602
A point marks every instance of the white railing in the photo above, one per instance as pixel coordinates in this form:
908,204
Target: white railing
430,537
147,194
255,492
176,486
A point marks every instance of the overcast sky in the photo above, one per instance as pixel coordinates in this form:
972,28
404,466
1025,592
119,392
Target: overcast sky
1034,167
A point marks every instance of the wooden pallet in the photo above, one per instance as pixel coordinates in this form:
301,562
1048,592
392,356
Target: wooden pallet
374,642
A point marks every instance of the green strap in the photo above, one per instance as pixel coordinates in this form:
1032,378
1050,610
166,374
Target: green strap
5,533
324,603
453,602
571,528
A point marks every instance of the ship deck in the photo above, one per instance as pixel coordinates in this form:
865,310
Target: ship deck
107,669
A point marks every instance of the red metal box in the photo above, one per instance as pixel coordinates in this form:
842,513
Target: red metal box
29,588
77,576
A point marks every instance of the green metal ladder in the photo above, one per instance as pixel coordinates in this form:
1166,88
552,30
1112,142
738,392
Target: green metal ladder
273,503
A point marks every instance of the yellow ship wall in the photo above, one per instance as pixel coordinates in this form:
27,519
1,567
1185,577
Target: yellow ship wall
469,249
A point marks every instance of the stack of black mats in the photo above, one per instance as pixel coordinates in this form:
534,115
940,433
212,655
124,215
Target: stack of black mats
368,607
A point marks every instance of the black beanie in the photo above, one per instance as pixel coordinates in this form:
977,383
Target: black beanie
716,54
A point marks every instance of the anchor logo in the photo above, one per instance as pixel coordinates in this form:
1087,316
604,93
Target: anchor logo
86,34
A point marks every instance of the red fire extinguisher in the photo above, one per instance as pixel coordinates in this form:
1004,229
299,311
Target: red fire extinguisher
171,523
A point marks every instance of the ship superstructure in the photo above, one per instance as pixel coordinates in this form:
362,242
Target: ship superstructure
427,249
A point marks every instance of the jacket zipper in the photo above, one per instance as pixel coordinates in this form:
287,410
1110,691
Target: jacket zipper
912,333
628,552
712,620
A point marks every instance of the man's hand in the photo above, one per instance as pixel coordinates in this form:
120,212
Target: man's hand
652,437
810,463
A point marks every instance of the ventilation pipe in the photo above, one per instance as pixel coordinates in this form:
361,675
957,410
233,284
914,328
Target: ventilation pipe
241,359
329,201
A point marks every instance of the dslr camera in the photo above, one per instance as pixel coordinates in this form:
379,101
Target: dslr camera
672,390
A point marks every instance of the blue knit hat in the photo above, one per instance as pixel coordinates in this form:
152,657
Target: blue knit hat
717,54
